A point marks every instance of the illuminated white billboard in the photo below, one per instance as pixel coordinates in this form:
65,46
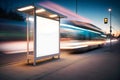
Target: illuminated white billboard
47,37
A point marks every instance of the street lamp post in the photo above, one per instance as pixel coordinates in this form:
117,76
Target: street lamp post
110,27
76,6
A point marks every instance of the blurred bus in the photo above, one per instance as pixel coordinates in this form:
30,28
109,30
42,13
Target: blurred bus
76,35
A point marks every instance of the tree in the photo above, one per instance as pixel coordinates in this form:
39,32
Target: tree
12,15
3,13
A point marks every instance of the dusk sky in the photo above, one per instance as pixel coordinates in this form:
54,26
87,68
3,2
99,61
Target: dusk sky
95,10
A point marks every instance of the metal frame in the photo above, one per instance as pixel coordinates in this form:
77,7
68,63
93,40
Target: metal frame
110,30
34,38
27,40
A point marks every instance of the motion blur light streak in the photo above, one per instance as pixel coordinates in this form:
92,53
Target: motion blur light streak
14,47
74,44
113,40
73,47
73,27
57,8
84,24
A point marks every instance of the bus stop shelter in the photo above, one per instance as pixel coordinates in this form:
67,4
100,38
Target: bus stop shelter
43,32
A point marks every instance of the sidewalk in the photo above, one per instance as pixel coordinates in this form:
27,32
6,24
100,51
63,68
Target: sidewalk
100,64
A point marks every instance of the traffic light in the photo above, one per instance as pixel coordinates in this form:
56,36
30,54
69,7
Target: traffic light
105,20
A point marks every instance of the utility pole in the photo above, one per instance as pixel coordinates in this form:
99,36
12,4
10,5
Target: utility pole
76,6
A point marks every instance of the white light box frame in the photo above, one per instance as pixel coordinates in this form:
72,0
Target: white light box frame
47,37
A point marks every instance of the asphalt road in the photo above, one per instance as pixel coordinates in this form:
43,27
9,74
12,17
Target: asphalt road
98,64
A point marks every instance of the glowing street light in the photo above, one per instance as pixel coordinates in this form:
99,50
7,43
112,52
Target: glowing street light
53,15
25,8
109,9
40,10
